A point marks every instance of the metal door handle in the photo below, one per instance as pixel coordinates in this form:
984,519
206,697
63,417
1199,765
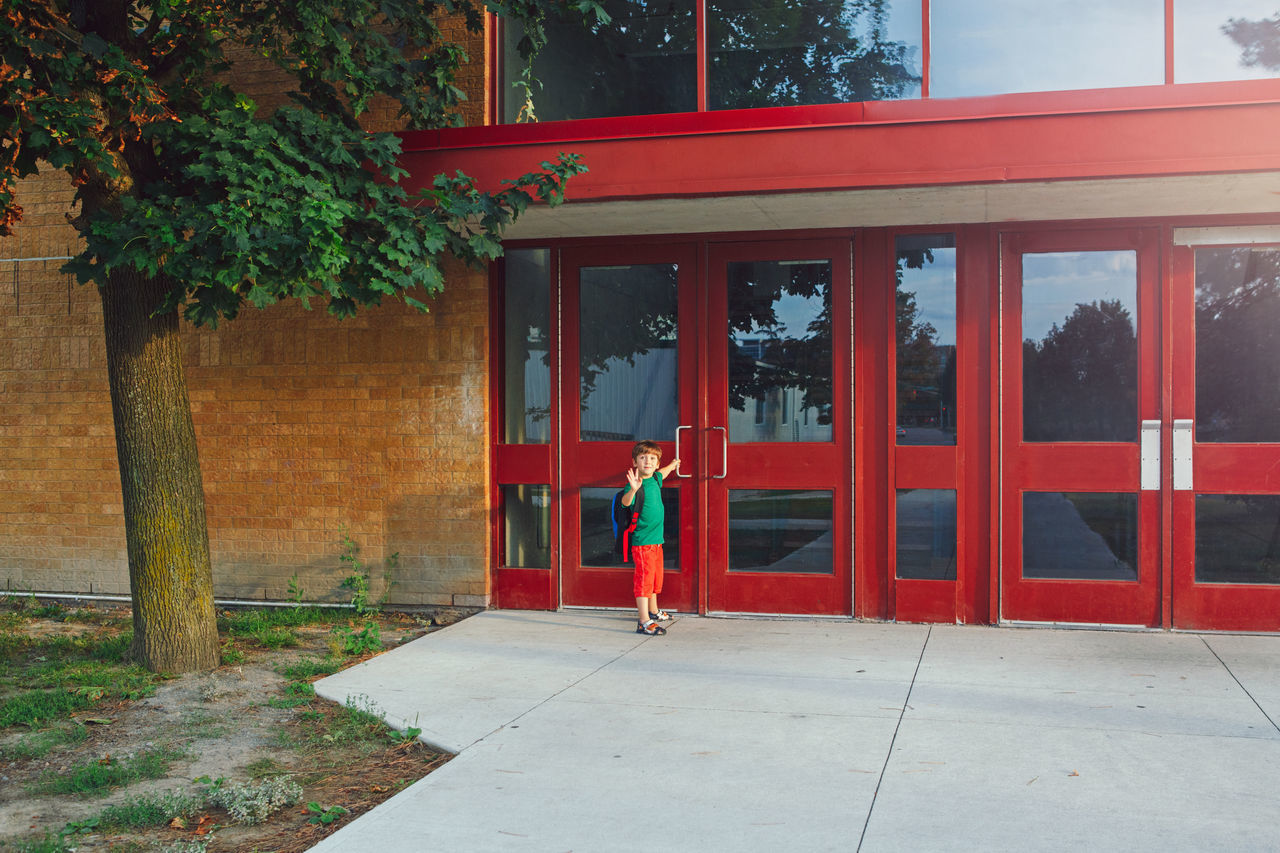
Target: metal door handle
1150,456
682,426
724,455
1183,436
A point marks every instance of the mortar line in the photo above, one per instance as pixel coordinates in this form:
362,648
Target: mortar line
1213,652
889,755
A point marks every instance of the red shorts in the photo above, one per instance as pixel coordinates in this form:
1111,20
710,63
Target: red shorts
648,577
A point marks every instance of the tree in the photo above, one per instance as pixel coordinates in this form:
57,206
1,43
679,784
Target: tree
1080,382
192,202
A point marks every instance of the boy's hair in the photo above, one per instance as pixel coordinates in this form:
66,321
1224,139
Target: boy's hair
645,446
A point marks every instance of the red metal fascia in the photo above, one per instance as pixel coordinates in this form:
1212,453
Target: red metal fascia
1180,130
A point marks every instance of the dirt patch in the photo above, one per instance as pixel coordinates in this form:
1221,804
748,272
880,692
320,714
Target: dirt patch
227,726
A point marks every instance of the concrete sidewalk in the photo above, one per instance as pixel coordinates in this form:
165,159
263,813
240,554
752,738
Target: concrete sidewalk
574,733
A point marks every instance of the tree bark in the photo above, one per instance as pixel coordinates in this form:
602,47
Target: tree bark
170,574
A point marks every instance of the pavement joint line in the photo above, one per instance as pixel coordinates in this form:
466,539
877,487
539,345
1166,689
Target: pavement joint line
906,702
1214,652
528,711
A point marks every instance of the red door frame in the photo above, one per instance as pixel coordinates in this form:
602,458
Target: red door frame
1078,466
964,467
1216,469
515,587
602,464
777,465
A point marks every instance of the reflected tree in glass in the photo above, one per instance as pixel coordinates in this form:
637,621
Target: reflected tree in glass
1080,348
780,350
628,352
768,53
1238,539
1259,41
926,354
526,347
1238,345
642,61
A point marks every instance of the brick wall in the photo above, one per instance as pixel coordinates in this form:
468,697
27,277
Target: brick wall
307,428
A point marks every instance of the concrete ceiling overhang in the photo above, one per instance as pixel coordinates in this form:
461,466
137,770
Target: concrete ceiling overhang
1114,198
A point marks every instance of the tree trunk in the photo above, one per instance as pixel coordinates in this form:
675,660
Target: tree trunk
170,575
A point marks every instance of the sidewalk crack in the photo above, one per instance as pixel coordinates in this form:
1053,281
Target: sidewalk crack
1214,652
906,703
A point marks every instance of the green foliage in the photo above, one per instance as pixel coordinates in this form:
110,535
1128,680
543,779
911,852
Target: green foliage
58,680
276,638
180,176
47,843
311,667
41,743
325,814
99,777
254,802
229,654
362,642
144,810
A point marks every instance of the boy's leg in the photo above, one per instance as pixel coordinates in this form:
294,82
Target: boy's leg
654,609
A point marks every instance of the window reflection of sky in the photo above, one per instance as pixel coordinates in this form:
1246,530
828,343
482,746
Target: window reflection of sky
934,287
1202,51
985,47
1053,283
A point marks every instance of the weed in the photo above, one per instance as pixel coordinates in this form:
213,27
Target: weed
310,668
48,843
229,655
98,778
296,693
325,814
146,810
354,643
276,638
360,578
254,802
40,744
263,767
296,594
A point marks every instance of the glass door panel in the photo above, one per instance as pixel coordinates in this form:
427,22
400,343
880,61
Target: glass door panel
629,375
778,484
1226,437
1080,353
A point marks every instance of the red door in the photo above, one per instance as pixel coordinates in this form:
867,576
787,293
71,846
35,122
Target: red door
1225,440
776,425
629,359
1081,531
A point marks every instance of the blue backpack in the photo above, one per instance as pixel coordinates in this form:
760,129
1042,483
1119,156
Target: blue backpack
624,522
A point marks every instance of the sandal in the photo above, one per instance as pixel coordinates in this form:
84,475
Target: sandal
660,616
650,628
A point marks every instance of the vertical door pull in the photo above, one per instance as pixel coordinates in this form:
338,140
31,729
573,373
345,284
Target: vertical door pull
678,472
1150,456
724,454
1183,435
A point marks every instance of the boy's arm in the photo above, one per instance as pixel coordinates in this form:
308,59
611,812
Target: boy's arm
674,465
633,486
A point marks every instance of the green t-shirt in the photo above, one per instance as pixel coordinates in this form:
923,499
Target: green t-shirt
649,526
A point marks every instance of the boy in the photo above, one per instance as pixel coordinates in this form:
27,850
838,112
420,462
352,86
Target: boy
646,541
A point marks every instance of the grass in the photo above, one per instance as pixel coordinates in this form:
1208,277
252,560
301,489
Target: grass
41,743
50,672
147,810
100,777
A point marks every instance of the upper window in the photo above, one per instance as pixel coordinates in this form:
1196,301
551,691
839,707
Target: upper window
772,53
1225,40
991,47
766,53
